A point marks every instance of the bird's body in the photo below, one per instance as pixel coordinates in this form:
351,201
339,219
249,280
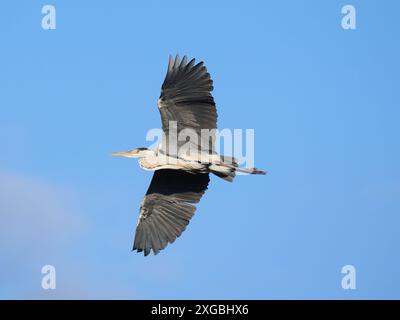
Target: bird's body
196,161
160,161
181,166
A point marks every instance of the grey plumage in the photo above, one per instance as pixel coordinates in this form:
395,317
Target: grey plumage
175,189
186,98
169,203
167,208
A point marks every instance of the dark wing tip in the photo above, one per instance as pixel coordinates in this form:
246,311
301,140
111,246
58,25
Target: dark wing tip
175,63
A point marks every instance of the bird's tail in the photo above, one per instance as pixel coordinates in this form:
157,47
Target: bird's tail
251,170
227,168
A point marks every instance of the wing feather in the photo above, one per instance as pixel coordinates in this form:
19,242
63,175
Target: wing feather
186,99
167,208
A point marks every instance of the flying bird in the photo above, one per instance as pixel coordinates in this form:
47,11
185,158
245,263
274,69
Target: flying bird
180,178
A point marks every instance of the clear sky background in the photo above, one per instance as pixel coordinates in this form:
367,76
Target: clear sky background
324,104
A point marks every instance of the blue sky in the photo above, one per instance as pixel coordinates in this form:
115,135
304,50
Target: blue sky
324,104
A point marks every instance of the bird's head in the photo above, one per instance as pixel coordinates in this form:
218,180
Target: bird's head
135,153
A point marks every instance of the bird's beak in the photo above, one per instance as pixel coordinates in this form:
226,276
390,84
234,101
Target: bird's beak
122,154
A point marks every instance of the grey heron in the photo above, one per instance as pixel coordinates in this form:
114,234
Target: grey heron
180,178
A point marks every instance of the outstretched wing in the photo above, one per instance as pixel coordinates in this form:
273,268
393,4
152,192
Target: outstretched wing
167,208
186,99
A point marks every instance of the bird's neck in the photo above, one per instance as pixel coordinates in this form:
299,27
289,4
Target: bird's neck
147,153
